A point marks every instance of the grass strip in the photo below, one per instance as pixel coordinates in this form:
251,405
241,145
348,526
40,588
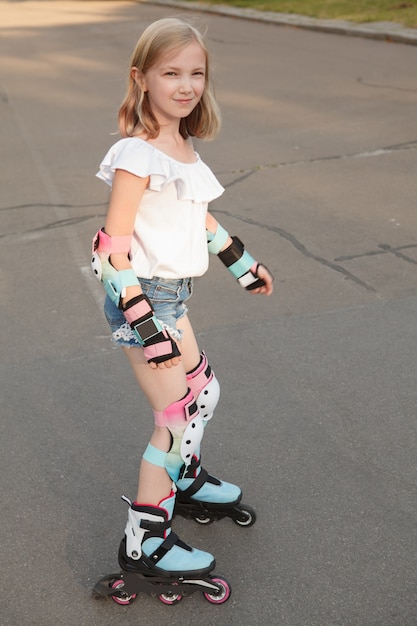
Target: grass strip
401,12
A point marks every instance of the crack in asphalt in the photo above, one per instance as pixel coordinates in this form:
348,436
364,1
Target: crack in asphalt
333,265
245,173
46,205
70,221
384,248
302,249
362,81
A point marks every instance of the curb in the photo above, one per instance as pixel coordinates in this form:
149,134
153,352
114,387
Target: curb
386,31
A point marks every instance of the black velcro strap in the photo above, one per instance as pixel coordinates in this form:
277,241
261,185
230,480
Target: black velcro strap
197,484
259,282
191,469
155,527
164,357
232,253
166,546
255,284
136,300
203,478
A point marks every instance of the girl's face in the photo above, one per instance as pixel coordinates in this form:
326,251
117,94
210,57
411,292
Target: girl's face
175,84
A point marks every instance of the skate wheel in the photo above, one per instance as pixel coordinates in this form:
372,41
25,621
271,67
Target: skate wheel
170,597
203,518
223,593
247,516
122,597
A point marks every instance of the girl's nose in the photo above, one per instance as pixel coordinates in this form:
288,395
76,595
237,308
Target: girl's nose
185,85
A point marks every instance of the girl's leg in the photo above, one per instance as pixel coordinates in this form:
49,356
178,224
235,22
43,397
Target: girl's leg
149,544
161,387
189,346
206,390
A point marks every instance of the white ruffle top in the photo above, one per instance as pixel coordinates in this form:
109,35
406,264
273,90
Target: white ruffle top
169,238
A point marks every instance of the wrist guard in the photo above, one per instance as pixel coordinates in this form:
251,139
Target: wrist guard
157,345
241,264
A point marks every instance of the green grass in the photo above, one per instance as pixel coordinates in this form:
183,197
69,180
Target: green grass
400,11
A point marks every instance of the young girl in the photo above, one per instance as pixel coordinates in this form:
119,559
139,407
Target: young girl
156,238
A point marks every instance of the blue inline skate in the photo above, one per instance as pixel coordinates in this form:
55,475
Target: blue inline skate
205,499
153,560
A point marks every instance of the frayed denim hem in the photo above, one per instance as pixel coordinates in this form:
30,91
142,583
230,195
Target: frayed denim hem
125,337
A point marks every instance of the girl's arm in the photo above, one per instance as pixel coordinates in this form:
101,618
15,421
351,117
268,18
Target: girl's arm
160,350
254,276
126,194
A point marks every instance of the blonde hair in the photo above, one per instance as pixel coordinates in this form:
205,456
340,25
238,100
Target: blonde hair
135,114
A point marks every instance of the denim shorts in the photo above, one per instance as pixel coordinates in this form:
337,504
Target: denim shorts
168,299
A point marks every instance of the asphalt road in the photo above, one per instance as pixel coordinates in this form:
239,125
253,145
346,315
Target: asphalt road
317,419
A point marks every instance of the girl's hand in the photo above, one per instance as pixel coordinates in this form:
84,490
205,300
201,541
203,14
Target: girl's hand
166,364
268,288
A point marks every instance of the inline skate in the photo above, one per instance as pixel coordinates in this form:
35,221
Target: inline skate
205,499
153,560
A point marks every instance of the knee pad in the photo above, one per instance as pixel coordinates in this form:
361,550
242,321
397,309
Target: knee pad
205,387
184,422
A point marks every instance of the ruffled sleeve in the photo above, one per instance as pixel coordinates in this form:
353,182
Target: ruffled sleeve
193,181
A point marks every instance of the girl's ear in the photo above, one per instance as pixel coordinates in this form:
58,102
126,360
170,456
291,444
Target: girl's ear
139,78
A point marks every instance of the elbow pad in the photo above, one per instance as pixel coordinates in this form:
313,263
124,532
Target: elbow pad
217,240
114,281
